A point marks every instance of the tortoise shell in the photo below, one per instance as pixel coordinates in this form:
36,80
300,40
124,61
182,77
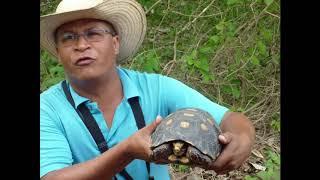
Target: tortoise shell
191,125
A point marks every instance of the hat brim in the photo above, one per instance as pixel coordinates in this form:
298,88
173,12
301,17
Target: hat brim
126,16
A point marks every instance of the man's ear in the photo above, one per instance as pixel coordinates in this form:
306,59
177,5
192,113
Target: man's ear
59,61
116,44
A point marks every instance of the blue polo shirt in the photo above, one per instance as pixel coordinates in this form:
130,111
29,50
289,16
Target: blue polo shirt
65,140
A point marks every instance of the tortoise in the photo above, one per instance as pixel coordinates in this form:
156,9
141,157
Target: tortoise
188,136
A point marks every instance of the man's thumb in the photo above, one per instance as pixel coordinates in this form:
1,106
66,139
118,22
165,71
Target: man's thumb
225,138
154,124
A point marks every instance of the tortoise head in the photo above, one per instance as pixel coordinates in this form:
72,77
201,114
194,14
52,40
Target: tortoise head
178,148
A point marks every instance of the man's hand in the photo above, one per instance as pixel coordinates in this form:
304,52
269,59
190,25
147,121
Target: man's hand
140,142
112,161
237,140
236,150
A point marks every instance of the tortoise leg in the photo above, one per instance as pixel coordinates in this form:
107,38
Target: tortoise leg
173,158
161,154
184,160
197,158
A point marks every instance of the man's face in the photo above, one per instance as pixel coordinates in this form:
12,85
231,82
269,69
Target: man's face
85,58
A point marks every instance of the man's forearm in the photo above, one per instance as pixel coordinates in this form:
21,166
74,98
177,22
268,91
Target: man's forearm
104,166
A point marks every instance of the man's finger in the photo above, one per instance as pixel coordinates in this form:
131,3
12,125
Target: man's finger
225,138
158,119
154,124
225,157
221,162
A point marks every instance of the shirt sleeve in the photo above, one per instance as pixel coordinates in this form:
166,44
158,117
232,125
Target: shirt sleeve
178,95
54,148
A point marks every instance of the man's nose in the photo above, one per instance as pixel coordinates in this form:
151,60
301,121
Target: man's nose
82,43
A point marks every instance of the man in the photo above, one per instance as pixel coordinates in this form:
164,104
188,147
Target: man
89,38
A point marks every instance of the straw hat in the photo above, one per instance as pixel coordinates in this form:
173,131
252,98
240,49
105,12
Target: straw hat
127,17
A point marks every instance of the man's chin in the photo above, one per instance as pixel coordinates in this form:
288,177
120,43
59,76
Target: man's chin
85,76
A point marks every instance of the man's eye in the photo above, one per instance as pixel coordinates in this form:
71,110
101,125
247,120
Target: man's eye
94,34
68,37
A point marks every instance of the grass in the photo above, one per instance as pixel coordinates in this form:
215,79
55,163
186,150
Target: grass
228,50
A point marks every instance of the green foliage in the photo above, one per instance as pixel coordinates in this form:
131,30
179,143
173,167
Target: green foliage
275,123
51,71
198,61
181,168
268,2
272,165
233,88
231,2
151,63
48,6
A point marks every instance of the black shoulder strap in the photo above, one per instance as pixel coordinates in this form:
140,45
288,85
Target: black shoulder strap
138,116
88,120
137,112
92,125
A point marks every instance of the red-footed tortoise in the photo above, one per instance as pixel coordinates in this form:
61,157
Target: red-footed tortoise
188,136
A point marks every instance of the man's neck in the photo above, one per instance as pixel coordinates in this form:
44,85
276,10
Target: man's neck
107,88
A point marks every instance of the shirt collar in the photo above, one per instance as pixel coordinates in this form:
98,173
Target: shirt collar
77,98
129,88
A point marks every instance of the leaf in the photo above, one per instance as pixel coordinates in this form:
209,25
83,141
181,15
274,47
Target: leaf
236,82
275,124
231,29
56,70
247,177
268,2
257,153
49,82
181,168
255,60
251,50
262,48
220,26
231,2
194,54
226,89
204,64
205,50
206,76
238,57
236,92
263,175
214,39
276,59
212,77
258,167
164,30
275,158
190,60
151,63
266,34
